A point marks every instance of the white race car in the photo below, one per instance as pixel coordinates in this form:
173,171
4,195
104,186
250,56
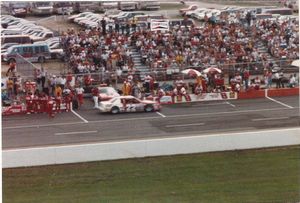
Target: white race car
128,104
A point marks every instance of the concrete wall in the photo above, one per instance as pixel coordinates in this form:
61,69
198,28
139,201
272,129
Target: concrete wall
149,147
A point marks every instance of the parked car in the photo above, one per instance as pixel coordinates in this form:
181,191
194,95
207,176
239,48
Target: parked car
63,8
190,8
71,18
93,18
128,104
18,8
41,8
210,13
4,48
127,15
78,19
281,11
31,52
196,13
43,35
11,32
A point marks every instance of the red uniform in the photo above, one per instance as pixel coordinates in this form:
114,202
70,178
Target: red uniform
68,101
50,107
29,104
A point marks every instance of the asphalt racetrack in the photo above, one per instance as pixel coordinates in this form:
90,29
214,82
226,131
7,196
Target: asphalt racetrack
88,125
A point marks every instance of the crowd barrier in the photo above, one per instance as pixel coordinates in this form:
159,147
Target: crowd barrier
198,98
252,94
38,156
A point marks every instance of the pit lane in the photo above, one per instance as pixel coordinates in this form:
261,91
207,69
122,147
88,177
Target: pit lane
174,120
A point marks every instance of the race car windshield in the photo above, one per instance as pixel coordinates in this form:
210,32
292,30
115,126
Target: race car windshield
19,5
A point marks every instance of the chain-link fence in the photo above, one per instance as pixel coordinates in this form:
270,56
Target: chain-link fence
25,68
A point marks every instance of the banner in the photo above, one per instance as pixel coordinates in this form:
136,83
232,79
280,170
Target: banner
159,25
200,97
214,96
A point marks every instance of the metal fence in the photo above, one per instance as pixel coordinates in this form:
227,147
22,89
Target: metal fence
25,68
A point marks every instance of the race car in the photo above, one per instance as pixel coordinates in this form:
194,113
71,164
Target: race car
128,104
106,93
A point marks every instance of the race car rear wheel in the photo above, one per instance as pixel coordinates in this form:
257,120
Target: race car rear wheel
115,110
149,108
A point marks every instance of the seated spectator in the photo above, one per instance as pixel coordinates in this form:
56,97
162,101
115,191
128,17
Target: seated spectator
292,81
257,83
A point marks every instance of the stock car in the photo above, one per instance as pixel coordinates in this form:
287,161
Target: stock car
128,104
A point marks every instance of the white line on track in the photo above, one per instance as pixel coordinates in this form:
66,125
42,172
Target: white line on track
125,119
162,115
184,125
274,100
76,114
228,112
285,130
283,104
267,119
79,116
74,133
230,104
149,118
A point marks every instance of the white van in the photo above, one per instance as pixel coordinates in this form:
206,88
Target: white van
42,8
31,52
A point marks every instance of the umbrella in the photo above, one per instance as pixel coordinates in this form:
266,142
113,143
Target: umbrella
191,72
296,63
212,70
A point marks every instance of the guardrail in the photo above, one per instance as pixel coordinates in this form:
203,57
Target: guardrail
149,147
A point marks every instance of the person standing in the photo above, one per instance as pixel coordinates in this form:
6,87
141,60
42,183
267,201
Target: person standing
103,25
117,26
127,29
79,91
269,78
123,28
43,77
277,79
281,80
11,69
58,99
95,93
133,25
246,79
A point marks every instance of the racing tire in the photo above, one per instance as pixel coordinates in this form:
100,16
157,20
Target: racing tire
149,108
41,59
115,110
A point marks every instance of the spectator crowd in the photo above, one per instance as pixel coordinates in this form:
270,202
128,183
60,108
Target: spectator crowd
231,40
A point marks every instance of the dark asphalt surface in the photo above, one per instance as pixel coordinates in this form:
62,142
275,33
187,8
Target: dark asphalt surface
175,120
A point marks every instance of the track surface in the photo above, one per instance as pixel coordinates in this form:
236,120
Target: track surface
87,125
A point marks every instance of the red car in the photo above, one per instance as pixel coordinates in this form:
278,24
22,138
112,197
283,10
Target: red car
190,8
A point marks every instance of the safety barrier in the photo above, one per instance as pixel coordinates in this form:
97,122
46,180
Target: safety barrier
253,94
149,147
